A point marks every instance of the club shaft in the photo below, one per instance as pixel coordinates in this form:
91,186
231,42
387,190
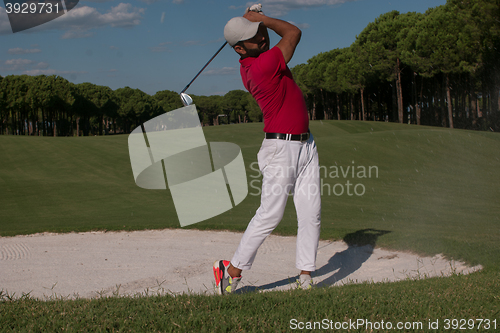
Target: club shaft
183,90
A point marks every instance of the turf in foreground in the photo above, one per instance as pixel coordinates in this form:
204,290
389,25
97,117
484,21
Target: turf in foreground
470,302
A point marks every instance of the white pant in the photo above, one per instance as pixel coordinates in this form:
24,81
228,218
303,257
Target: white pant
286,166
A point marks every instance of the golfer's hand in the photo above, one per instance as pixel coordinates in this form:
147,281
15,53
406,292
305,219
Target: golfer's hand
254,16
254,8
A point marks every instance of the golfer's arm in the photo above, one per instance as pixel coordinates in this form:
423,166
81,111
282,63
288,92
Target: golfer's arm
290,35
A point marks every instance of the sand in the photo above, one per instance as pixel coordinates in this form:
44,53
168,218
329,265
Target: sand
176,261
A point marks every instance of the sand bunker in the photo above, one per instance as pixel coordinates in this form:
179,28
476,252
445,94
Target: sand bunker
95,264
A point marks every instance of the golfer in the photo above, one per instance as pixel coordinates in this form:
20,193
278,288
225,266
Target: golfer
288,158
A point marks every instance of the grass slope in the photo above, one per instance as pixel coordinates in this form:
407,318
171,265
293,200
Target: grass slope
431,190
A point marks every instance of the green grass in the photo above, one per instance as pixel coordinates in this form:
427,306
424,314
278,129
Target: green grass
475,296
436,192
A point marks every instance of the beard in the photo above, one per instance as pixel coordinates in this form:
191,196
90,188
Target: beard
255,52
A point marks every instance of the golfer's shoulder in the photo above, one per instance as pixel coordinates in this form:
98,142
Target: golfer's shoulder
272,60
274,54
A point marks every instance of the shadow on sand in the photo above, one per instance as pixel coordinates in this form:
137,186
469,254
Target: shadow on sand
360,245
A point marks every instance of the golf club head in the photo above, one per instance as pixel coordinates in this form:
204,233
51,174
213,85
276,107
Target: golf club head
186,99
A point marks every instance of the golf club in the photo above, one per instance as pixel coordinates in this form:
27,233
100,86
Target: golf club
186,99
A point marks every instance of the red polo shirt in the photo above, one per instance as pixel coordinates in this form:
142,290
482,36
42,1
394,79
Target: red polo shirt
270,82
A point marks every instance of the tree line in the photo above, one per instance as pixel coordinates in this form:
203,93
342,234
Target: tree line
52,106
439,68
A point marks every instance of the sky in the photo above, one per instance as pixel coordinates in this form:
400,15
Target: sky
156,45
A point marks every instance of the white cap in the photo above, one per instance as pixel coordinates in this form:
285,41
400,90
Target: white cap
238,29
